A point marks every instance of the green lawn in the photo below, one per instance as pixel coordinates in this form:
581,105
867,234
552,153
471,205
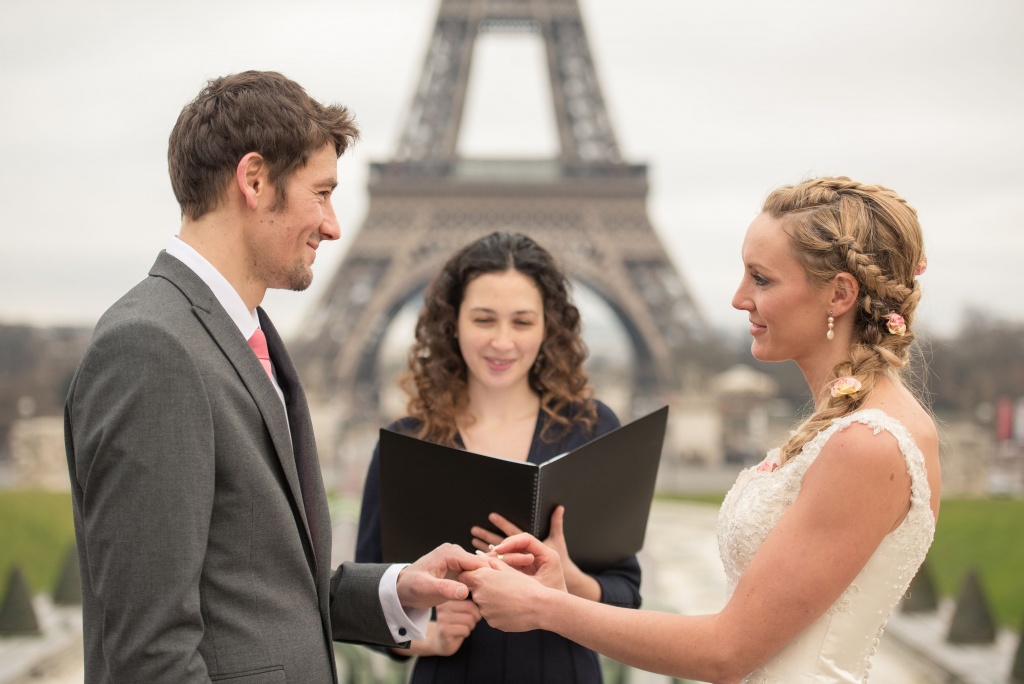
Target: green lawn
706,498
36,531
986,534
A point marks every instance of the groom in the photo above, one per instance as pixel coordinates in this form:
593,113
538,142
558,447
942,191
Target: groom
204,536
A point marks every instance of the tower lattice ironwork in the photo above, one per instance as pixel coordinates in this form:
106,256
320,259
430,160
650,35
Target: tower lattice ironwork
586,205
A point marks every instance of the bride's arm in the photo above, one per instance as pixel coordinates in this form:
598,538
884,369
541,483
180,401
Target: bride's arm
855,493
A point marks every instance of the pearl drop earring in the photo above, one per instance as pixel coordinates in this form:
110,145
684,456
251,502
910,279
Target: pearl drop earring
831,326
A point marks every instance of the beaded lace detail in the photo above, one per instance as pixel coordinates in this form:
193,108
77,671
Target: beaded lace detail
839,645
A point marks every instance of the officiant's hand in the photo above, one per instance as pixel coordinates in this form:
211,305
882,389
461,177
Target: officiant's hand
485,540
455,621
578,582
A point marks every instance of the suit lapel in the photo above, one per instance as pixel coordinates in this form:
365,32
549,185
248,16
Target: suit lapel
318,519
227,336
236,348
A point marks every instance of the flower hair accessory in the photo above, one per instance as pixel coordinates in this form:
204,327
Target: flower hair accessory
846,387
895,324
922,266
767,467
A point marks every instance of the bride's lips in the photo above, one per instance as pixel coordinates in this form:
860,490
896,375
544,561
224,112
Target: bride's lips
757,329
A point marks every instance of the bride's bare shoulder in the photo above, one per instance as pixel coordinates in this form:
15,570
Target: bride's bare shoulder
899,403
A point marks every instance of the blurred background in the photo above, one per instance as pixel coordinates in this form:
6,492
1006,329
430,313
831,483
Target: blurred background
707,106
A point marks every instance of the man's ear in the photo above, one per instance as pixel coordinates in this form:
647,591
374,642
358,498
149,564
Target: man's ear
844,290
251,178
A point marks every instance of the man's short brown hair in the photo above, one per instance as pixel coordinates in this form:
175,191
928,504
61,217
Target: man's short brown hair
254,111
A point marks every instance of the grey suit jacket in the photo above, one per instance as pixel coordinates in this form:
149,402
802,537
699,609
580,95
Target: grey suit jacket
204,538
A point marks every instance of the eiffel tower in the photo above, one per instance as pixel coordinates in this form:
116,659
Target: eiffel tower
586,205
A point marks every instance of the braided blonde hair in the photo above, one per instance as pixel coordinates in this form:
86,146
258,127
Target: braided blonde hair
838,225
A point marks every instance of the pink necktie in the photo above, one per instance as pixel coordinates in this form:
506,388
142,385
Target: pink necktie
258,342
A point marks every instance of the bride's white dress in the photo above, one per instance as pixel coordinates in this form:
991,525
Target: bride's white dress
838,646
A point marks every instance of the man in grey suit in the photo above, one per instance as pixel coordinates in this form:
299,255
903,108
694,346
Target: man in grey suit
204,536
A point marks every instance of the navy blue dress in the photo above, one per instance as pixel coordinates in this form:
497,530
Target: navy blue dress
490,655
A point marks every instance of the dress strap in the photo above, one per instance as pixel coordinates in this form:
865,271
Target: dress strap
878,420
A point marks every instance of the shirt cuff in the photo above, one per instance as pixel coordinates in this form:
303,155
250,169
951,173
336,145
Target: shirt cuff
406,624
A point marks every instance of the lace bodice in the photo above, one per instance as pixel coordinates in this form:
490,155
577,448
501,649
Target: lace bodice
838,646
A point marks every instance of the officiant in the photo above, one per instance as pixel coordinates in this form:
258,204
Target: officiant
497,369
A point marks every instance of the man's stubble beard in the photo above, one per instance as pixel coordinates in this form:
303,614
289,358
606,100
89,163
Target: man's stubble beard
301,278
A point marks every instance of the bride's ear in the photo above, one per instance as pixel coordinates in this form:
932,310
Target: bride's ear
843,292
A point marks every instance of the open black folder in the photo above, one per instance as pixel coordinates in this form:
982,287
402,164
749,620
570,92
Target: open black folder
432,494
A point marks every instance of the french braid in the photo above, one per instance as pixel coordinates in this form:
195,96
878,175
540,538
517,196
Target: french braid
838,225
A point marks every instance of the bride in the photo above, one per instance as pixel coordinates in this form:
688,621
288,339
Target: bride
821,539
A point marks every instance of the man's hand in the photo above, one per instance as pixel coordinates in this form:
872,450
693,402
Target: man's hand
431,580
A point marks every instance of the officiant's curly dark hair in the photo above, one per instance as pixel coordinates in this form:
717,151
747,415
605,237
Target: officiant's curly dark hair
436,380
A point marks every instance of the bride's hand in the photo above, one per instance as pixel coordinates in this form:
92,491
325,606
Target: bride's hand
532,557
577,581
509,600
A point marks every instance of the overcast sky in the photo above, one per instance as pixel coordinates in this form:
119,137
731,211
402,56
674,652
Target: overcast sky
723,100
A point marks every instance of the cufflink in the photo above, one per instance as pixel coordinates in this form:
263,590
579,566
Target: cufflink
401,631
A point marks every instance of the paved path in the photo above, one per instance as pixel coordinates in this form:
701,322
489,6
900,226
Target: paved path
925,634
53,658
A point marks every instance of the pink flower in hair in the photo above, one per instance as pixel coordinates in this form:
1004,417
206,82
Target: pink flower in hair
896,325
846,387
922,266
767,467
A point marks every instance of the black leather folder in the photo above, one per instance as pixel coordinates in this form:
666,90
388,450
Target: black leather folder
432,494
